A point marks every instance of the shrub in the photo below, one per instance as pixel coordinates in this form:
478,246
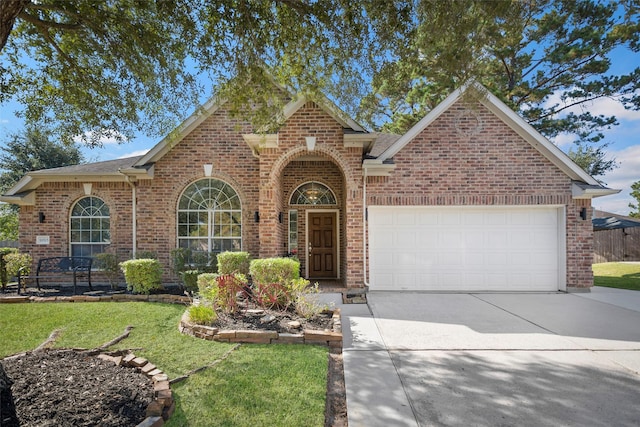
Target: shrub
4,277
234,262
274,270
142,275
202,315
277,282
108,263
222,290
190,279
14,261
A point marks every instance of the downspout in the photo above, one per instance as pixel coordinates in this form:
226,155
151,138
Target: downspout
134,214
364,226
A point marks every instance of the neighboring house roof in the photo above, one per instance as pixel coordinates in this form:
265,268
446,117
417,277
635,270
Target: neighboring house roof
110,170
592,187
613,222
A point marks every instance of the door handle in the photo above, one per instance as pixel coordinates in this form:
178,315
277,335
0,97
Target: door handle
310,248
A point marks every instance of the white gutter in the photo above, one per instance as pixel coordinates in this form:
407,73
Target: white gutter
134,214
364,225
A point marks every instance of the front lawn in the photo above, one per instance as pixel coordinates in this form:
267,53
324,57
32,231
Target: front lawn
623,275
275,385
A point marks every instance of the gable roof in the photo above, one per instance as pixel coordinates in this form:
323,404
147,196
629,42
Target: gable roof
515,122
214,104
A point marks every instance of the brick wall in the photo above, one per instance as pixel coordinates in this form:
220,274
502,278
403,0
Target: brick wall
483,162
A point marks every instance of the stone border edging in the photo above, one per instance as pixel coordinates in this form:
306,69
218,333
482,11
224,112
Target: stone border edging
308,336
163,405
163,298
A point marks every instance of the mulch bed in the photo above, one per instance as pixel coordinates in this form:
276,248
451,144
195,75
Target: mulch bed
67,388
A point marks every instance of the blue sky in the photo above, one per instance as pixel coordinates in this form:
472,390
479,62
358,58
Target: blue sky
624,140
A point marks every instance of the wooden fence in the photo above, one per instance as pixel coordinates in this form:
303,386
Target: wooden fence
621,244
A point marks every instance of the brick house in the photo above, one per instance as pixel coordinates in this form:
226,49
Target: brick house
470,198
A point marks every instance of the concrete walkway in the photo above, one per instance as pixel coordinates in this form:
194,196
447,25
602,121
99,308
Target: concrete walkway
423,359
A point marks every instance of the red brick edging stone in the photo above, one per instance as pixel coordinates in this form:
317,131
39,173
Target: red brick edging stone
162,406
331,338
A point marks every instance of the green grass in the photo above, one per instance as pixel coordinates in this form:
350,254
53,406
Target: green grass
621,275
274,385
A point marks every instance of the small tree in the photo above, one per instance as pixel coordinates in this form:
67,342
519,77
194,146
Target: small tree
635,193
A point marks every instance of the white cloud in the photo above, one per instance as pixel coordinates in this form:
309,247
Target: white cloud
601,106
621,179
134,153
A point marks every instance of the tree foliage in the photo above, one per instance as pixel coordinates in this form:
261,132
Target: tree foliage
546,59
635,193
120,66
33,150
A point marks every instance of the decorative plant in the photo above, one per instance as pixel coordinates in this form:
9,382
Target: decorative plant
16,261
189,264
234,262
142,275
222,290
108,263
202,315
277,282
4,277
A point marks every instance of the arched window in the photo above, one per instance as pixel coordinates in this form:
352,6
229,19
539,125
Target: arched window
312,193
210,217
90,227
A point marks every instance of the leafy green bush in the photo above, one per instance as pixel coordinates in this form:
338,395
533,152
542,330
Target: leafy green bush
277,283
108,263
142,275
190,279
274,270
4,277
221,291
202,315
234,262
14,261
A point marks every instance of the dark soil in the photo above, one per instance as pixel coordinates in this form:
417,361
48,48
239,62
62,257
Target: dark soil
67,388
272,320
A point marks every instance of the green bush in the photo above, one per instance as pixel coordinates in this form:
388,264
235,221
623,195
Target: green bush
202,315
108,263
274,270
234,262
142,275
4,277
15,261
277,283
221,291
190,279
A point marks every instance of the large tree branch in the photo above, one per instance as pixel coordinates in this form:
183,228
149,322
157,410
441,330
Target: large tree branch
9,11
48,24
573,104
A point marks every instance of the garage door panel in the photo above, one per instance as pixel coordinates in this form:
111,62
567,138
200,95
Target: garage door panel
454,248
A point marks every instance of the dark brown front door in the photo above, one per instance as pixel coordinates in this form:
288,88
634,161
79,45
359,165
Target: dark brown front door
322,245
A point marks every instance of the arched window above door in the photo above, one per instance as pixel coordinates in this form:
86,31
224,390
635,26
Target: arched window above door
313,193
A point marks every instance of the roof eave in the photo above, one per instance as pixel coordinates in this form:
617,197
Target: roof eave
26,198
579,192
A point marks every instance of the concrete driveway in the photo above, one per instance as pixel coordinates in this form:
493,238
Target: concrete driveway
427,359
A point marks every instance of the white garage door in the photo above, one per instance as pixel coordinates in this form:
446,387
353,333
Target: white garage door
466,248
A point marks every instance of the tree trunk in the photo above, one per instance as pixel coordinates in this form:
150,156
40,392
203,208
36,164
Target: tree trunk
8,417
9,11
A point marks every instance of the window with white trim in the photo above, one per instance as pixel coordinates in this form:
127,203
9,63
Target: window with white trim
210,217
313,193
90,227
293,232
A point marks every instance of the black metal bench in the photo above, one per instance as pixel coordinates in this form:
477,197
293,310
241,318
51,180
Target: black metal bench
58,267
